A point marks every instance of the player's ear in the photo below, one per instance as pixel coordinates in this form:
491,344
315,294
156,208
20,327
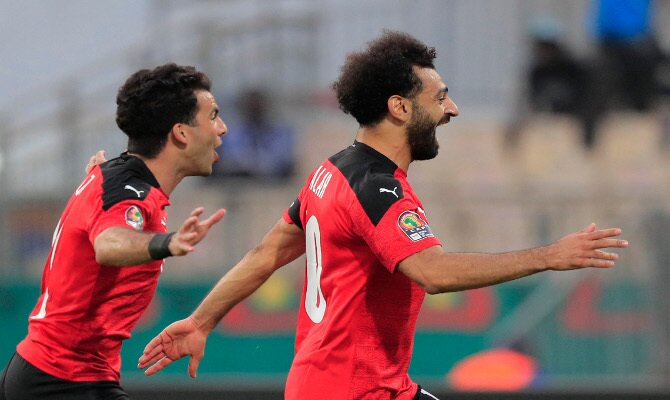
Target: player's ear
399,108
178,134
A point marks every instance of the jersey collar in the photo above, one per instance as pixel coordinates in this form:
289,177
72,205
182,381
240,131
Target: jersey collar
359,146
140,168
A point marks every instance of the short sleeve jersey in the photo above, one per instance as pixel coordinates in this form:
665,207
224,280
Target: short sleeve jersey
357,317
85,309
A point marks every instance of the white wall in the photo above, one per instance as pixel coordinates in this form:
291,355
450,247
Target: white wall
42,41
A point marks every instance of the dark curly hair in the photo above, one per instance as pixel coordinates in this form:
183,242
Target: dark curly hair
150,102
369,78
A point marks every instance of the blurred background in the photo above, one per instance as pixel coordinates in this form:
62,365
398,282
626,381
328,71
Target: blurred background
565,120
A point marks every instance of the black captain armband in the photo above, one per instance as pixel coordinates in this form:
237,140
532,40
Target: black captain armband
159,246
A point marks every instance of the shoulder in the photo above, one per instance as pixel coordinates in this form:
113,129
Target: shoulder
124,180
371,179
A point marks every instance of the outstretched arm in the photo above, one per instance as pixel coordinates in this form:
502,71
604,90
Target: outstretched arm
281,245
438,271
120,246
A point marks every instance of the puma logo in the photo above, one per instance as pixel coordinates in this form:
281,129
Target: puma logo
382,190
138,192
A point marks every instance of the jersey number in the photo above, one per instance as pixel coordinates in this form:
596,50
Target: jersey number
54,244
315,303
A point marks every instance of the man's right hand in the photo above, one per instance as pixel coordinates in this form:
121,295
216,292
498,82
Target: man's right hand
192,231
583,249
96,159
179,339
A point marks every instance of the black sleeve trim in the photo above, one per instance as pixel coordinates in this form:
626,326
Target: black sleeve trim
294,213
377,195
125,178
371,177
117,191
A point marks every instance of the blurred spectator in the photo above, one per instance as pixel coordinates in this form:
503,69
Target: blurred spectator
556,81
629,55
257,146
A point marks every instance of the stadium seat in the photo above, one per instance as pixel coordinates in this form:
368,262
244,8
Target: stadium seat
627,154
551,158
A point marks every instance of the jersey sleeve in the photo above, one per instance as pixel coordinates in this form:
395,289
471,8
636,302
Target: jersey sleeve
292,214
132,214
402,231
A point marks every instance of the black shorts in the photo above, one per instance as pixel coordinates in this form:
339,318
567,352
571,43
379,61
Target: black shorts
22,381
422,394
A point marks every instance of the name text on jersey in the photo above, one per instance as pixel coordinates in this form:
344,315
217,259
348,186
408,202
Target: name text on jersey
320,181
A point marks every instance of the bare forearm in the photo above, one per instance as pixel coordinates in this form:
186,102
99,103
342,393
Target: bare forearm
462,271
437,271
240,282
281,245
235,286
122,247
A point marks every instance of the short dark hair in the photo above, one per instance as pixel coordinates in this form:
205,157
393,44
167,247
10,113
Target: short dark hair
369,78
150,102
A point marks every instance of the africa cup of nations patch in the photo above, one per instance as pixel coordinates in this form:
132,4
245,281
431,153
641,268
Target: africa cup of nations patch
414,226
134,218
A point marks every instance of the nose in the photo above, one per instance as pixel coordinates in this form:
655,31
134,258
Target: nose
451,109
224,128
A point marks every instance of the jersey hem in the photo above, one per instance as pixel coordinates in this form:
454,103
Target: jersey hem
36,362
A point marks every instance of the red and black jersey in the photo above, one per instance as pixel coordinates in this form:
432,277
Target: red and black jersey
357,317
86,309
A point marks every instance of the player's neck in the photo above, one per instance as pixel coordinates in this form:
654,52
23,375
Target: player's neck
391,141
164,172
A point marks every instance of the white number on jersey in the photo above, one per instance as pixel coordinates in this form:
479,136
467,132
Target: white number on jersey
54,244
83,185
315,303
